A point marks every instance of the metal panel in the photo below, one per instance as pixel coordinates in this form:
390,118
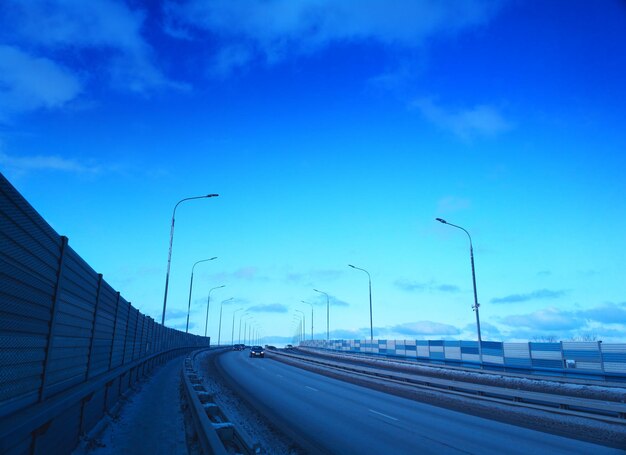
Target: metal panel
422,348
547,355
516,350
453,352
615,367
499,360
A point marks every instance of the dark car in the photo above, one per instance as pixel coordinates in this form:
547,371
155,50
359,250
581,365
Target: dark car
257,351
238,347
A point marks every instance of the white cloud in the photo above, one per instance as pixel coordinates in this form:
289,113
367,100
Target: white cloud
29,82
42,162
425,329
268,308
275,28
432,285
546,319
449,204
230,58
534,295
64,29
77,23
480,120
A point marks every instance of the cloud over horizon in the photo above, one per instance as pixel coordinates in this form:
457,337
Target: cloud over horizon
430,286
51,162
48,47
268,308
465,123
274,29
534,295
425,328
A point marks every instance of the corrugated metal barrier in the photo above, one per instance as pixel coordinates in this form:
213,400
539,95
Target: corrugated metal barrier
70,345
594,360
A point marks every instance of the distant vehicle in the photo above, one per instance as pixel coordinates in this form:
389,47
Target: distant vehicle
269,346
257,351
289,346
239,347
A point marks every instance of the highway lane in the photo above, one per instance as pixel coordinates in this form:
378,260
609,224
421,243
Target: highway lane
331,416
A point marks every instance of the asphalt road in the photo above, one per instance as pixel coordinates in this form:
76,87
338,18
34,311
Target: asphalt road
330,416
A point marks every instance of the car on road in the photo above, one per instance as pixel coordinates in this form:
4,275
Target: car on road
239,347
257,351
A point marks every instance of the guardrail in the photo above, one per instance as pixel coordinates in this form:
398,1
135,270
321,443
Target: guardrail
70,345
215,433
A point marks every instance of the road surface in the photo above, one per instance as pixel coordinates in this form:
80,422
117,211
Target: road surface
330,416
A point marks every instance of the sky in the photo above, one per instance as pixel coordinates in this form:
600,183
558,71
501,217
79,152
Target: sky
334,132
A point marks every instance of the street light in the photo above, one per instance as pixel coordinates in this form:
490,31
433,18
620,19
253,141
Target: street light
191,287
297,329
476,304
219,333
240,318
245,328
327,313
303,323
169,255
369,279
311,317
208,302
232,334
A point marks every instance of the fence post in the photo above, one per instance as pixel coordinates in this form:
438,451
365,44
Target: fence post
601,356
53,318
124,349
93,327
117,308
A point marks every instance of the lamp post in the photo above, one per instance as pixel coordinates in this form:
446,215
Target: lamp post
169,255
245,328
208,302
327,313
232,333
240,318
369,279
191,287
476,304
219,333
303,323
311,317
297,329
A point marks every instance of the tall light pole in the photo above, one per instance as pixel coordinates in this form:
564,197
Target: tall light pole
327,314
219,333
191,287
240,318
232,333
369,279
297,328
208,302
245,328
476,304
303,323
169,255
311,317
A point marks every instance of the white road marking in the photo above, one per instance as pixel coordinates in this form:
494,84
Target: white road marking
315,390
279,376
384,415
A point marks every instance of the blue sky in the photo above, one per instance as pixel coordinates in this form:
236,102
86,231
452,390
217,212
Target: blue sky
335,133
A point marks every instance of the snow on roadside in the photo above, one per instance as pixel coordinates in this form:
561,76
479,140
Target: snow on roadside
149,421
255,427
